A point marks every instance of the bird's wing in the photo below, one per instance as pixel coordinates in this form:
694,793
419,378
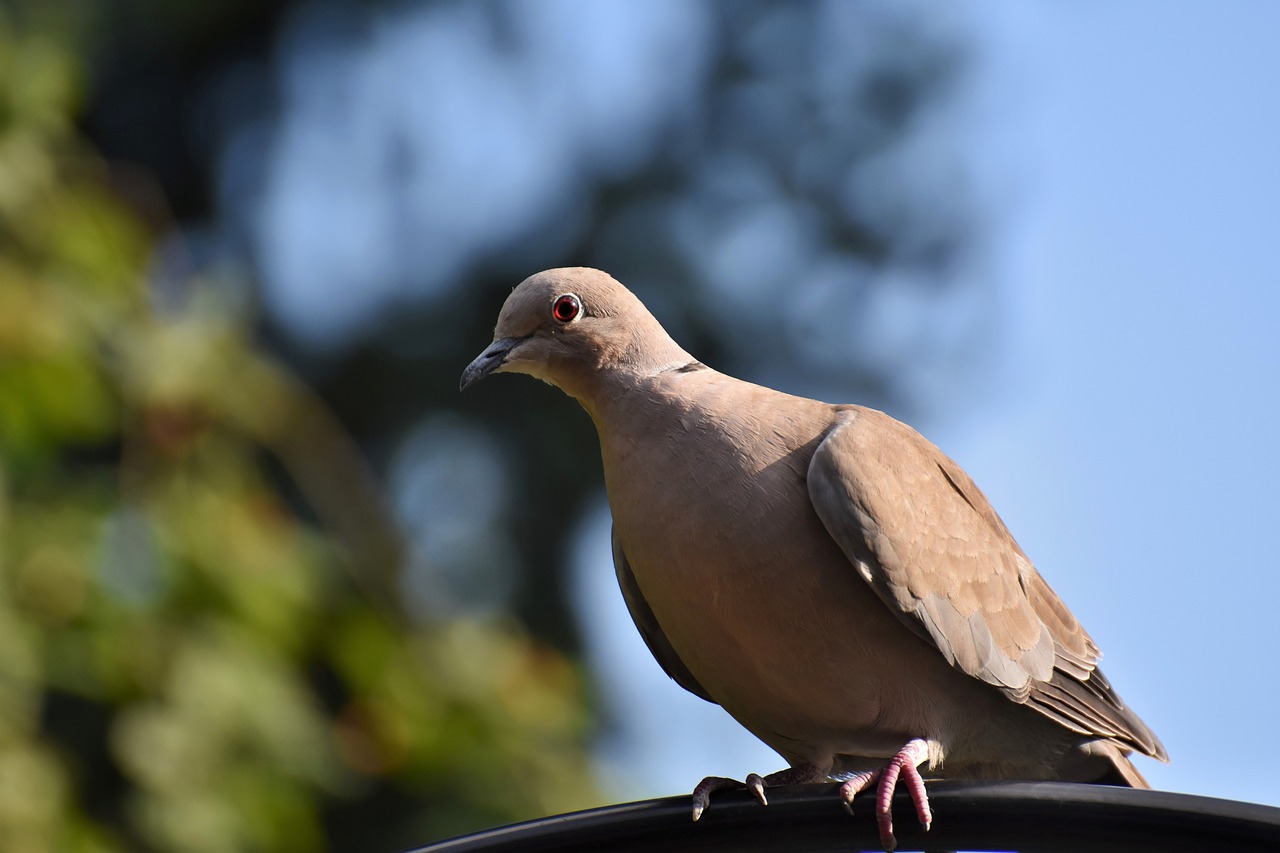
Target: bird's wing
647,624
926,539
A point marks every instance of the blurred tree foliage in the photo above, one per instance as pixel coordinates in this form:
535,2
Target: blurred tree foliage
199,643
205,639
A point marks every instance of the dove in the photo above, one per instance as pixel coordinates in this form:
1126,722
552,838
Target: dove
823,572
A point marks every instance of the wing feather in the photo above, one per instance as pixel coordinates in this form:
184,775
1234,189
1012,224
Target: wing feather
927,540
647,624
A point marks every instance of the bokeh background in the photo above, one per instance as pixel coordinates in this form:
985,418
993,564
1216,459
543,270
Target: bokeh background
267,582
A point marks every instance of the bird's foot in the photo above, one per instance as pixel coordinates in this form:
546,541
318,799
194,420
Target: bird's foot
754,783
904,765
708,786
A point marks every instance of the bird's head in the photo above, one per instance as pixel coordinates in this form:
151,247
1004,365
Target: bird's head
572,327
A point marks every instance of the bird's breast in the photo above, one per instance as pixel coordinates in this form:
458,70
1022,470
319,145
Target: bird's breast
750,589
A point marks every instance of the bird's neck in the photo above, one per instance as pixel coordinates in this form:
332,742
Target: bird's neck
610,384
620,400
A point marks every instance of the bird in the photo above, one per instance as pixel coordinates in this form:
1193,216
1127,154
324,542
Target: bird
823,572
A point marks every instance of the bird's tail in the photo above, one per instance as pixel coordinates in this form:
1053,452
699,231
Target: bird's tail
1120,771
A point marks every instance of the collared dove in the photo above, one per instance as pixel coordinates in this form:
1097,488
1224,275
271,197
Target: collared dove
823,572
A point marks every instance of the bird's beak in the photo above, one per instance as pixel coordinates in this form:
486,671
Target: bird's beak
493,357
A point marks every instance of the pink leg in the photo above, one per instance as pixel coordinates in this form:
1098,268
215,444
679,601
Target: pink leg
755,784
905,765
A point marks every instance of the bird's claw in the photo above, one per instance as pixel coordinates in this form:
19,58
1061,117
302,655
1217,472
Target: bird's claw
755,783
905,766
708,786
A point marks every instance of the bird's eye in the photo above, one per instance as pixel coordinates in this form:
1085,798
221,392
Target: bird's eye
566,308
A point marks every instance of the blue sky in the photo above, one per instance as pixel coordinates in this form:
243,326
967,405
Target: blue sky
1128,430
1136,457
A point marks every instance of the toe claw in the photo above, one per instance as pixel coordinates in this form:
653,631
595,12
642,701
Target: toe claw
707,787
884,822
755,784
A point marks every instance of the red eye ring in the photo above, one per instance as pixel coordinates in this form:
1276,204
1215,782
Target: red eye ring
566,308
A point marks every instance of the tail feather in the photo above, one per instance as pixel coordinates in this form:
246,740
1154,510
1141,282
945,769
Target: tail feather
1120,771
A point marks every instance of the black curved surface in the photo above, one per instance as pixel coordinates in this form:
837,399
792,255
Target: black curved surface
1034,817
